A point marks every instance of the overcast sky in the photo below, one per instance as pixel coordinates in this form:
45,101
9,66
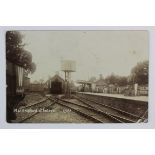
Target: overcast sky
95,52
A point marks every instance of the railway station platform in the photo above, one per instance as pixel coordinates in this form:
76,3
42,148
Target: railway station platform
120,96
137,105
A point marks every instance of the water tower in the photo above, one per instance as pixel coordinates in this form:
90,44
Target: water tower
68,66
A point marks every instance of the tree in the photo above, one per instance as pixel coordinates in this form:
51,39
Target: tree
115,79
32,67
139,73
92,79
16,53
111,79
122,81
13,45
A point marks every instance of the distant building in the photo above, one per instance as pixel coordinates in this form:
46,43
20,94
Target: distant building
85,86
36,87
26,83
100,86
56,84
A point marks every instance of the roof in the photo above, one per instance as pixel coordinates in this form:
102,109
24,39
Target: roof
56,77
83,82
100,82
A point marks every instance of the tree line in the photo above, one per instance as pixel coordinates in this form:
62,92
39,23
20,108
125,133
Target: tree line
139,74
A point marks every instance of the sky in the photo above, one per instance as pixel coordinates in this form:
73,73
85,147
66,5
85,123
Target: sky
95,52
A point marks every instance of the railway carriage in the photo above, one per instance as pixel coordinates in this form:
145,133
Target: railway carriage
14,86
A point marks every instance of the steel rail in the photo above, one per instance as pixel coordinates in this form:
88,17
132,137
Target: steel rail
111,116
123,119
118,110
27,118
34,104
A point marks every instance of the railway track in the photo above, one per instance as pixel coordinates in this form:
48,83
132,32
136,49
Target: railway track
94,114
128,117
35,109
92,110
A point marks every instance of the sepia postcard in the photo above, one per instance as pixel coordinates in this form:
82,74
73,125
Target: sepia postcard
77,76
